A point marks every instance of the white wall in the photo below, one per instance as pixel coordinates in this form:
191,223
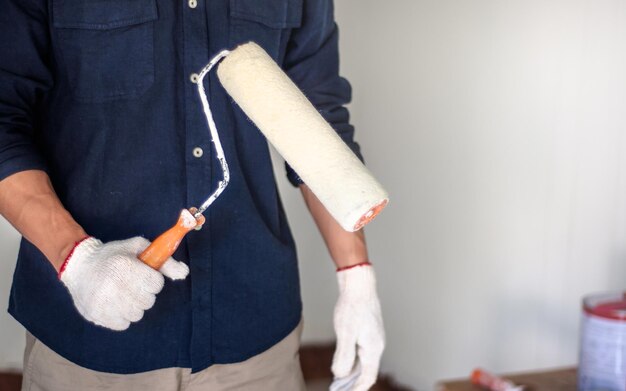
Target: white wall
499,129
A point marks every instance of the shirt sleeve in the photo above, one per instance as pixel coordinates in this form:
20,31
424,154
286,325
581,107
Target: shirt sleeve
25,78
312,62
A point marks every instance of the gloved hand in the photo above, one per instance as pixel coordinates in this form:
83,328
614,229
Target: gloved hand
110,286
359,328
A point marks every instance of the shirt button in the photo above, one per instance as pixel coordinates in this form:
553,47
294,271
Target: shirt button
194,78
197,152
193,3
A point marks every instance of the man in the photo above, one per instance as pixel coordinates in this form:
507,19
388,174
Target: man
103,141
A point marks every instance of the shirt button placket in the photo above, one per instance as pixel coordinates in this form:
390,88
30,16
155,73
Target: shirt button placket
199,176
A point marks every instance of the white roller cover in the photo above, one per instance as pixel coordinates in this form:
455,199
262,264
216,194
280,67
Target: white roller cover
301,135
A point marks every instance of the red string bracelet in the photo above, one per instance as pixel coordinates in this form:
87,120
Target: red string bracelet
366,263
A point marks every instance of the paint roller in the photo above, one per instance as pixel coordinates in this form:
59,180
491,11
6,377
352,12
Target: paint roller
298,132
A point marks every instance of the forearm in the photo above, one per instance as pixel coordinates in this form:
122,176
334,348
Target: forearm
357,319
346,248
29,203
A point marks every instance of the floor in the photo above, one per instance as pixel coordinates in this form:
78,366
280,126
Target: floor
10,382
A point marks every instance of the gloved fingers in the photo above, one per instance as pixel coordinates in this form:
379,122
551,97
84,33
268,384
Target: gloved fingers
146,278
371,344
109,320
154,283
171,268
142,300
174,270
137,244
133,314
110,286
116,313
346,383
365,381
115,324
128,304
139,296
345,354
369,358
130,308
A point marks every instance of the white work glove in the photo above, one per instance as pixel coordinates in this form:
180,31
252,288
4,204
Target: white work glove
359,328
110,286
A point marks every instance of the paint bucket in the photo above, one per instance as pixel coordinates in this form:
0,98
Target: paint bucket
602,361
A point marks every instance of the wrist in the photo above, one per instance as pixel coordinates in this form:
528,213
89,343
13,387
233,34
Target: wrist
59,233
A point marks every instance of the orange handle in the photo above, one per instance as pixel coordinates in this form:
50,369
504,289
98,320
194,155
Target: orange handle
164,246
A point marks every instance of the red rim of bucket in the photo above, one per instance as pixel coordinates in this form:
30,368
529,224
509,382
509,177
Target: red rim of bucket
606,305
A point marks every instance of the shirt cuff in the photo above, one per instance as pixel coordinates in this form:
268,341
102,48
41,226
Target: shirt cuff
21,161
293,176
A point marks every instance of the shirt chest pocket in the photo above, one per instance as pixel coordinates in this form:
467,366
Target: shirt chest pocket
266,22
106,46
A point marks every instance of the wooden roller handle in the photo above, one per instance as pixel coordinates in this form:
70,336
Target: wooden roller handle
164,246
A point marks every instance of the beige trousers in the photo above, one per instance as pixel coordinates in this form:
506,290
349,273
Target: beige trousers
275,369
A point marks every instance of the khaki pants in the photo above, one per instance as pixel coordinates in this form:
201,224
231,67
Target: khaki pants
275,369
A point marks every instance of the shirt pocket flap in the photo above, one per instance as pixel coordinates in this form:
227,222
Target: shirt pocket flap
276,14
102,15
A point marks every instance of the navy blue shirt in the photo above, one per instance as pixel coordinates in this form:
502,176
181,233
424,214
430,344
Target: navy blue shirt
98,93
